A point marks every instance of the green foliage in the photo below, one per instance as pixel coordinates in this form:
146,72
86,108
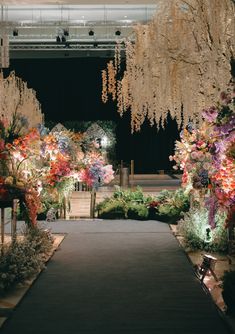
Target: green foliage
124,203
172,205
168,206
23,258
164,195
199,235
129,195
137,211
112,209
228,292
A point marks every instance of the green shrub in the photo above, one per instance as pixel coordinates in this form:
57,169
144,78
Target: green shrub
170,205
117,205
23,258
228,292
113,209
199,235
164,195
137,211
128,195
100,206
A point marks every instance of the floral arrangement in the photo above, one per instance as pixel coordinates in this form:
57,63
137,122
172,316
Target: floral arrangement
38,165
95,173
24,258
207,157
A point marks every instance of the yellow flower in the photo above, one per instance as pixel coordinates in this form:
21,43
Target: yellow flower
9,180
20,184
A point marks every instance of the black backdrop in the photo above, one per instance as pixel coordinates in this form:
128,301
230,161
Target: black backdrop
70,89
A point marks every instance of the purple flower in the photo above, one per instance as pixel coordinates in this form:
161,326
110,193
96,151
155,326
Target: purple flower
226,128
210,114
212,204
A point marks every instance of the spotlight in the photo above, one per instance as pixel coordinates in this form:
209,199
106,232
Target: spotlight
117,32
66,32
91,33
63,39
58,39
95,44
15,32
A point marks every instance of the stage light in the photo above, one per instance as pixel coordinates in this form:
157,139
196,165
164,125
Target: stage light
63,39
91,33
15,32
58,39
117,32
66,32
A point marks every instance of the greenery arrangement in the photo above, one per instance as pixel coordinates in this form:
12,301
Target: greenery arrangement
167,206
124,203
170,205
23,258
137,211
111,209
198,234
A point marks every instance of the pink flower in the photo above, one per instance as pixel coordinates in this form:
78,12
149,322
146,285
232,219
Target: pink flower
194,155
210,114
206,165
108,174
201,144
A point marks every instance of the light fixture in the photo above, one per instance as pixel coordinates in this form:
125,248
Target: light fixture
15,32
207,266
63,39
58,39
117,32
95,44
66,32
104,142
91,33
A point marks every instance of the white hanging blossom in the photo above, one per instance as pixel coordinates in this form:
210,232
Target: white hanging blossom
16,97
178,63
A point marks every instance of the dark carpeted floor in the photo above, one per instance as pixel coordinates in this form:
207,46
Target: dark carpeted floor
114,277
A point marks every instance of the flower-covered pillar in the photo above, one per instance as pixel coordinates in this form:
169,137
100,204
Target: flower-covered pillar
206,156
20,112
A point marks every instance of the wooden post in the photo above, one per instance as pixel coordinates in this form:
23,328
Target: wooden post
14,219
64,207
121,173
132,172
92,204
2,225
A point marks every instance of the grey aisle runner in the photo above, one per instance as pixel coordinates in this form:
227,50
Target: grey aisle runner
114,277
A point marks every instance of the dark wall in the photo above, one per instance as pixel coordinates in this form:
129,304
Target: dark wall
70,89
